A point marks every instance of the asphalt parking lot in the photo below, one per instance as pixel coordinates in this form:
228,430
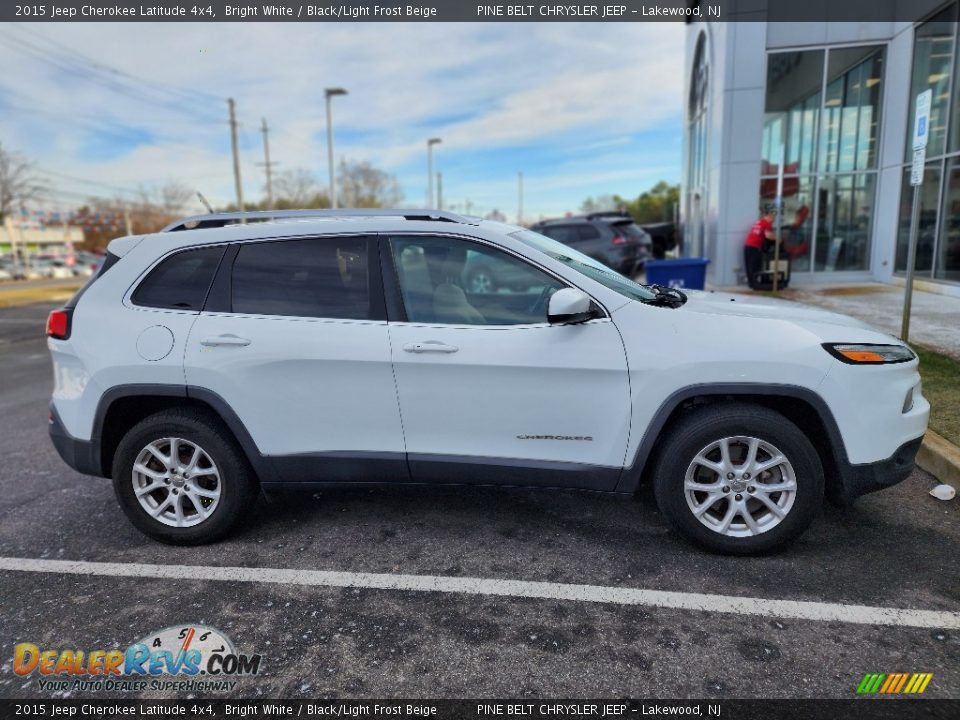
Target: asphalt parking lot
895,549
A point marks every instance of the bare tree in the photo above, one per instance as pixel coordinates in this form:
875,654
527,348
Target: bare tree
362,185
174,197
296,188
603,203
18,183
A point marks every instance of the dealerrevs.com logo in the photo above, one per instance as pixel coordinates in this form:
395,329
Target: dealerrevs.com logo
179,658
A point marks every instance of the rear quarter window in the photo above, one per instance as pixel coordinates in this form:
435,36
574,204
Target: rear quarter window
181,281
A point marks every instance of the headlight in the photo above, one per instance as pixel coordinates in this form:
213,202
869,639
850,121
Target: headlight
867,354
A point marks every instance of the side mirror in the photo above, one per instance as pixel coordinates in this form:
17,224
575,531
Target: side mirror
569,306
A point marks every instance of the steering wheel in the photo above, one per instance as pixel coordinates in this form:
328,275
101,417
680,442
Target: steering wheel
542,302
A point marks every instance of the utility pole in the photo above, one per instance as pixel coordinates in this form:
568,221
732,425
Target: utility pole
519,198
11,233
236,153
430,143
268,166
328,94
439,191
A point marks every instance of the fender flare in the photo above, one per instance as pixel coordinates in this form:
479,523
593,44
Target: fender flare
216,403
632,473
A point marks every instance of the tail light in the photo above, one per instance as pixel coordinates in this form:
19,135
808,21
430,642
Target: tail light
58,324
619,240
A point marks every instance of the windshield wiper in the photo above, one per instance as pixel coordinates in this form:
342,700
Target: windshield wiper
666,296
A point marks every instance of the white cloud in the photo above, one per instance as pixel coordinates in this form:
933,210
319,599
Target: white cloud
487,87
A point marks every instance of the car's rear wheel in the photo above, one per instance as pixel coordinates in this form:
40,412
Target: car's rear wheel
738,478
181,478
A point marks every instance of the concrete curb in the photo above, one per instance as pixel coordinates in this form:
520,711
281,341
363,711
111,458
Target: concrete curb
941,458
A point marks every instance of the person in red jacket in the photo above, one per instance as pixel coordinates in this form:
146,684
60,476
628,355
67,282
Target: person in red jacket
760,232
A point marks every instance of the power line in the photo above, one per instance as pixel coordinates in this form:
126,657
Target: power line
113,79
89,123
84,181
173,89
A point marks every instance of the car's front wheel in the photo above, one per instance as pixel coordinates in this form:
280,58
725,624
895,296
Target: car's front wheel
181,478
738,478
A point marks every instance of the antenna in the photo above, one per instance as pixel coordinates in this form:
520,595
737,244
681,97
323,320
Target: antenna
204,201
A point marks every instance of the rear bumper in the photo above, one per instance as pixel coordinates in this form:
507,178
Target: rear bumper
81,455
857,480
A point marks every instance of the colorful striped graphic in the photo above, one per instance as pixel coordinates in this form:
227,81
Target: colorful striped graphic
894,683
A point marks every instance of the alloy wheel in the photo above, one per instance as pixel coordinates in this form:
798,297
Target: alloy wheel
176,482
740,486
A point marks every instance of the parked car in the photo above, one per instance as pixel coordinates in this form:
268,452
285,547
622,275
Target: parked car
612,238
60,270
6,273
37,268
202,365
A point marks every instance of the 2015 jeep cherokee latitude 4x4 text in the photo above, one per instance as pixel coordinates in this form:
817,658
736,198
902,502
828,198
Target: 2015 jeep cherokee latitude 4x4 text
234,353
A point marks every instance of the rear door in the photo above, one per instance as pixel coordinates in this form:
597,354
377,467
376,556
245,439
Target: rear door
294,339
489,391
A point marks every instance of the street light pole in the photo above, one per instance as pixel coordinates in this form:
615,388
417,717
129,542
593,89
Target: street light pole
430,143
519,198
327,94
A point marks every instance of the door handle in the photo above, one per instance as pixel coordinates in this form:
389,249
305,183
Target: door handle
219,340
426,346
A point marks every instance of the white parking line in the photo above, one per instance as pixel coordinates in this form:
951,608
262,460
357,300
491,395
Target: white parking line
820,611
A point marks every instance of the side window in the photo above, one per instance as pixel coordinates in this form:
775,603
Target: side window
561,233
181,281
587,232
453,281
316,277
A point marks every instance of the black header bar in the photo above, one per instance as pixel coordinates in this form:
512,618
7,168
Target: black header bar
331,11
491,709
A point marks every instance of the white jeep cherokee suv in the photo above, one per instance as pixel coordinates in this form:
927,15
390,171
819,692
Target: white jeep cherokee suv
236,353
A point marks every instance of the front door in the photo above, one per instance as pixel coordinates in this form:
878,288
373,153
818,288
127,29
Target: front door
489,391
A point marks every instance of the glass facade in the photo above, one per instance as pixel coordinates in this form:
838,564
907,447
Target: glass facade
822,119
935,67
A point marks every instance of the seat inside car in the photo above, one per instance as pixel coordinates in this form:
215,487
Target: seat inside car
450,304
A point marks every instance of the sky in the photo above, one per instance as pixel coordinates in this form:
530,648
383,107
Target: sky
581,109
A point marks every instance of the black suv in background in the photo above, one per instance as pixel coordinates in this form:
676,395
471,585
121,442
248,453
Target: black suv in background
612,238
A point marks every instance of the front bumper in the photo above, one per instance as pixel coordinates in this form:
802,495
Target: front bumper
857,480
81,455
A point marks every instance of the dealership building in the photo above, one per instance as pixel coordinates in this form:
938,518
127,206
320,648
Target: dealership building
833,102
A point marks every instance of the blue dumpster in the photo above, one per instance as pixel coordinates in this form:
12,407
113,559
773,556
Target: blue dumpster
683,273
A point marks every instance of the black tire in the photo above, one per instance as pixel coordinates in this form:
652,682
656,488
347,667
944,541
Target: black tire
696,431
238,483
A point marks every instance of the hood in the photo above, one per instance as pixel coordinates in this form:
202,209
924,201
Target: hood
729,304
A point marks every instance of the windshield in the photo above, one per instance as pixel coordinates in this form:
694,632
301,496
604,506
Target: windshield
630,229
585,265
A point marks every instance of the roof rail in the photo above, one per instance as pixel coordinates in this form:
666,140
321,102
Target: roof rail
216,220
607,213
